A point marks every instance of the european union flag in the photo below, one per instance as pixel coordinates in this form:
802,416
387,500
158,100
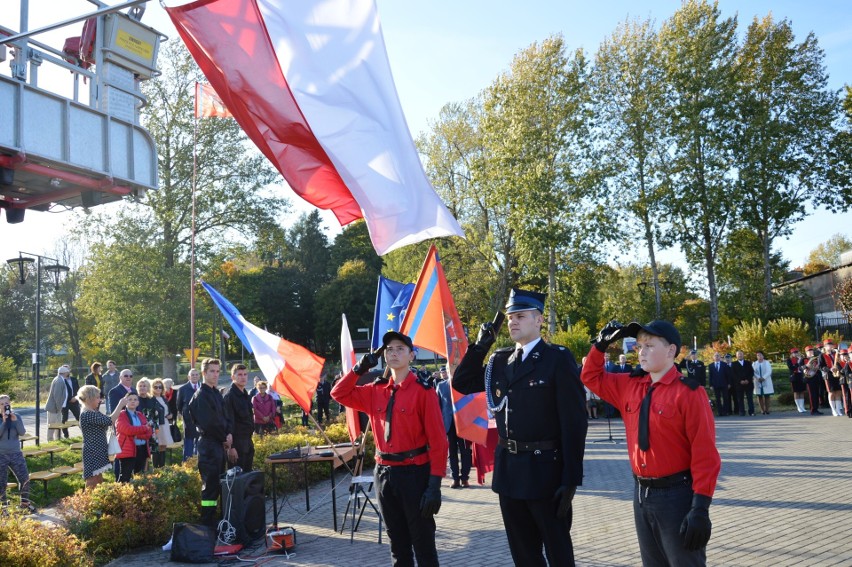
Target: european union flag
391,302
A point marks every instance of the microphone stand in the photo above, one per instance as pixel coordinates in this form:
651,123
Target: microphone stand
610,439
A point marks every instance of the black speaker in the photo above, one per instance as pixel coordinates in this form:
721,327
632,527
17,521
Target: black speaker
243,505
192,543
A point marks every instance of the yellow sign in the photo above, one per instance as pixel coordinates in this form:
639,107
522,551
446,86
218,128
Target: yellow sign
188,352
134,45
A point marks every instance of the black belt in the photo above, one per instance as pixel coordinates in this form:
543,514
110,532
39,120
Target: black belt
525,446
399,457
677,479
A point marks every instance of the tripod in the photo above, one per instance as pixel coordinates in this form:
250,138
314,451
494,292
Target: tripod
610,439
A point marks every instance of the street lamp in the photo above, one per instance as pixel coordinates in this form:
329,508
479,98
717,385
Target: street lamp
56,270
665,284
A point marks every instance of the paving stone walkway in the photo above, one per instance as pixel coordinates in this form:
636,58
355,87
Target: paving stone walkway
782,500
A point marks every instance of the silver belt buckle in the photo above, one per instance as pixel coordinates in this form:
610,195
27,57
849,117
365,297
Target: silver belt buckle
512,445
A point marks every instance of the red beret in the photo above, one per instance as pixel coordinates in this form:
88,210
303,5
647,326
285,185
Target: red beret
792,350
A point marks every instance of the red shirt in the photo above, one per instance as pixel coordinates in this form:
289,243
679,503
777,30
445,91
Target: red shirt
416,419
681,426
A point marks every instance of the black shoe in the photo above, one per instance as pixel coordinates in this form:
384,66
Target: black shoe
465,484
456,484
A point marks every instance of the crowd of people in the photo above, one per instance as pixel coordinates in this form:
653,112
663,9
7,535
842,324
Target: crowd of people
540,399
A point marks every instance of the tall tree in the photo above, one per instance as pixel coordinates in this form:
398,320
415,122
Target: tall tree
698,50
785,123
740,270
150,239
629,99
535,124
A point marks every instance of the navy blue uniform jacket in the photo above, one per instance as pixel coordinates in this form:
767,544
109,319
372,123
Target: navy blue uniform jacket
546,403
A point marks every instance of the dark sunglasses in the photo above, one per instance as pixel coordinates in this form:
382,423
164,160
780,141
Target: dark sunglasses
158,387
127,375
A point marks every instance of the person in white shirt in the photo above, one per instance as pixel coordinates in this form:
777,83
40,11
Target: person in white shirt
762,382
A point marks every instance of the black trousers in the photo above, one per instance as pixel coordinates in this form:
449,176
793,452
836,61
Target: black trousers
75,411
533,523
211,465
322,407
399,491
459,445
245,454
130,465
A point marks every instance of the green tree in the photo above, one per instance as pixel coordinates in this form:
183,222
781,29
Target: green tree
629,99
535,124
353,243
785,116
17,306
698,50
828,253
352,292
142,255
740,271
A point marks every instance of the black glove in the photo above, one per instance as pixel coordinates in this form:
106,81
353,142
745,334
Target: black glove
563,498
430,502
696,526
367,361
486,337
608,335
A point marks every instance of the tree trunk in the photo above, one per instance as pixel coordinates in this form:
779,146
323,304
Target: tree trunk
767,275
551,292
169,366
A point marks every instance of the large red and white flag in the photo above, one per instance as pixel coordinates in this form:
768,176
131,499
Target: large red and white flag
310,83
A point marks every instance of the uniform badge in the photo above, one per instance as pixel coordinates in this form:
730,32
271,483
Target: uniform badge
497,392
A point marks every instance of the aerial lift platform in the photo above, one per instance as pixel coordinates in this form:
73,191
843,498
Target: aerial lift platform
57,150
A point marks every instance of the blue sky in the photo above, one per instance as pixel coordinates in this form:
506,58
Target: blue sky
443,51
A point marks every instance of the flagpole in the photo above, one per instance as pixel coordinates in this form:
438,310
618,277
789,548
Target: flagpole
192,237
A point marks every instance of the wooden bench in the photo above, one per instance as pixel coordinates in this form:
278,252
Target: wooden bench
76,446
44,477
26,437
35,453
68,470
175,445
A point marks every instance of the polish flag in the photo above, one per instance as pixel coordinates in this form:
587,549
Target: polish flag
292,370
310,83
347,358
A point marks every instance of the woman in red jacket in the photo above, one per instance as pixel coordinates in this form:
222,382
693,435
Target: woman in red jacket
133,434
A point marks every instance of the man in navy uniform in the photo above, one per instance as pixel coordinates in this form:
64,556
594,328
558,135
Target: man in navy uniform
535,392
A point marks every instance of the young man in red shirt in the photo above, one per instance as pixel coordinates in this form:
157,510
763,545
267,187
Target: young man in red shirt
671,442
411,447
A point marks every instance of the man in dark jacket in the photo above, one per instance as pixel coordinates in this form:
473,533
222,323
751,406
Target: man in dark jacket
214,438
743,383
239,412
720,378
538,401
184,396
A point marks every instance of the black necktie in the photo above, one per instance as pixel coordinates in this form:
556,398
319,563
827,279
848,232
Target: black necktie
389,412
519,357
644,415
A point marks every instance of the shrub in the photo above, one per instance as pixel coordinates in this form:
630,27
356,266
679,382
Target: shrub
27,543
786,333
722,347
575,338
750,337
117,517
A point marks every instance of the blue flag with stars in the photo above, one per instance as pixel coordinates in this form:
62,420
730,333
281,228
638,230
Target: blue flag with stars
392,300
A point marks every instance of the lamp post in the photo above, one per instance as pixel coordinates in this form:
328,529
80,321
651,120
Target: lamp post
56,270
666,285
